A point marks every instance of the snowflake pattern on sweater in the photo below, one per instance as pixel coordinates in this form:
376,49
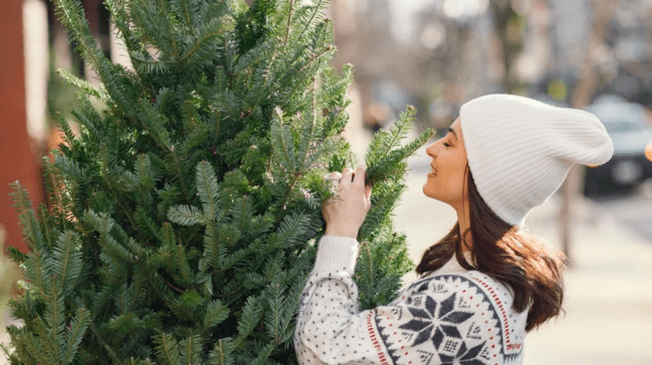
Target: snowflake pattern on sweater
453,316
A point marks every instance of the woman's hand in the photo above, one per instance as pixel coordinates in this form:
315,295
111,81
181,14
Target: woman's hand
345,212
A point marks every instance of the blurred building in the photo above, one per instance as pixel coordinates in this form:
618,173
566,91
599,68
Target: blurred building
363,38
570,34
458,55
628,55
621,52
23,74
448,51
432,54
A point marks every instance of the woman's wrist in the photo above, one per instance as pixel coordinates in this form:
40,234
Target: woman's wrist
337,253
341,232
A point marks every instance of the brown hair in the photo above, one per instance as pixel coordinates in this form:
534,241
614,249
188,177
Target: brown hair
507,253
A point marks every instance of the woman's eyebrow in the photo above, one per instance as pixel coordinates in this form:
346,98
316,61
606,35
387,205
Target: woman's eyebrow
450,130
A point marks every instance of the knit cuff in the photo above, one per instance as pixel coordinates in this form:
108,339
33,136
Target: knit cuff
336,253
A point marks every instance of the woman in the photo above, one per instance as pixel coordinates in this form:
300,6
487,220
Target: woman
485,284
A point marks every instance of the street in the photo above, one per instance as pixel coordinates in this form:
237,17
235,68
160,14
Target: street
632,210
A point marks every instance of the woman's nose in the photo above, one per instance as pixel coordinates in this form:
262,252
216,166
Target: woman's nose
432,150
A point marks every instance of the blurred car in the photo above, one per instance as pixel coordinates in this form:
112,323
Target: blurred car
630,127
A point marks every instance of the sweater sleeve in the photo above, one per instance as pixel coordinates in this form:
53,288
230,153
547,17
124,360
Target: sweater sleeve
433,321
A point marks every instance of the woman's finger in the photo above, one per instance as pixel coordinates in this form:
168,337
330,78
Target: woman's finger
359,177
346,176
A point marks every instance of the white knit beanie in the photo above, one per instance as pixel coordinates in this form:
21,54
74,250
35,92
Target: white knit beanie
520,150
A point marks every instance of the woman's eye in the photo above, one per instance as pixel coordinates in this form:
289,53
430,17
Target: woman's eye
447,144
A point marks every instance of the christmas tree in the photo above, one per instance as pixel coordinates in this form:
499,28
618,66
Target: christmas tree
181,222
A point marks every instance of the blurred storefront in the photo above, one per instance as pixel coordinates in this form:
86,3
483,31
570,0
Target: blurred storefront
22,97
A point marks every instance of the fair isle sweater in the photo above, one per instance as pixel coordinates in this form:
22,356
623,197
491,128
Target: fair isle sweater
452,316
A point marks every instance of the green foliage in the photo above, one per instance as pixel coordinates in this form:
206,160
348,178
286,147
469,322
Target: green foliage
182,220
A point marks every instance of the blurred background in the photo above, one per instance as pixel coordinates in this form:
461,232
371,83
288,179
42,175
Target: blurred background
435,55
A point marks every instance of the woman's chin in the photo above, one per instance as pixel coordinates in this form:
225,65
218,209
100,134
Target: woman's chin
435,193
428,191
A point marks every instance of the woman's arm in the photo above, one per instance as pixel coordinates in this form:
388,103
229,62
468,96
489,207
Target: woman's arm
330,330
329,301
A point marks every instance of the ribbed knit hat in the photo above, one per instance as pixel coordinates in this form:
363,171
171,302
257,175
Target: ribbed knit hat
520,150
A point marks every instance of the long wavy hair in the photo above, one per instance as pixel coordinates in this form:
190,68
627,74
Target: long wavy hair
514,257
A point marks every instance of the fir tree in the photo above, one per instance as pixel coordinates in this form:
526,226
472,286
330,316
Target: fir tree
182,220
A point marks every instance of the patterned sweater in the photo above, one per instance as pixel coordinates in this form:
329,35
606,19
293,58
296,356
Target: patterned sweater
452,316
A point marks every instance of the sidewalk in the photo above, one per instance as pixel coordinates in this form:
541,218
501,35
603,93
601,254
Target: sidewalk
608,294
608,297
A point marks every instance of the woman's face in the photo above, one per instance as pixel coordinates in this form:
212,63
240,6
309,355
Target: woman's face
446,179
